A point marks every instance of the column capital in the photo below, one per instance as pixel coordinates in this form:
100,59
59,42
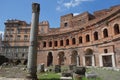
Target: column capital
35,8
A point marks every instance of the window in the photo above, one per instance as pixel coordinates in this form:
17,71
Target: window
105,33
6,37
18,37
25,37
65,24
67,42
116,29
11,37
80,39
61,42
73,41
7,30
18,31
26,31
23,55
95,35
55,43
87,38
16,55
50,44
44,44
105,50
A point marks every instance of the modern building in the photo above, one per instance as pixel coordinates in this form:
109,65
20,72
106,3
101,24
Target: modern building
84,40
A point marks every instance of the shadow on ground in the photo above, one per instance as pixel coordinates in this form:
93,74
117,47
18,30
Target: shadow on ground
50,79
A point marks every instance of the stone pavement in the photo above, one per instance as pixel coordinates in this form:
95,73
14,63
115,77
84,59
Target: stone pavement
3,78
107,74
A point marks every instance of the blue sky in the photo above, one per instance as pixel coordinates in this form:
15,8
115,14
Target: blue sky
51,10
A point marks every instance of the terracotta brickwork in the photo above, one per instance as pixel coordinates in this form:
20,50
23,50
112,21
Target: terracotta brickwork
84,40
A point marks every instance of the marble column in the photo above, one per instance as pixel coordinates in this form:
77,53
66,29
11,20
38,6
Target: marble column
78,61
93,60
84,64
32,53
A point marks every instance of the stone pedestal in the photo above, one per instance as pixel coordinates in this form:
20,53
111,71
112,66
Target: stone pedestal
80,70
41,68
57,68
77,76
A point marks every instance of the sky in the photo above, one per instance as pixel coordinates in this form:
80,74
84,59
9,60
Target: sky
50,10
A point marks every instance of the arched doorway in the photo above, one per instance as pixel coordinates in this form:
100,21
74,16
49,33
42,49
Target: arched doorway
74,58
61,58
18,62
25,62
49,59
89,57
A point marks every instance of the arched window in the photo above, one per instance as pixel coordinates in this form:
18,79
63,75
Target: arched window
61,42
73,41
80,39
105,33
95,35
116,29
50,44
55,43
67,42
87,38
44,44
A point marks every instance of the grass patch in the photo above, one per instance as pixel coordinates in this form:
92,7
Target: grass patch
56,76
49,76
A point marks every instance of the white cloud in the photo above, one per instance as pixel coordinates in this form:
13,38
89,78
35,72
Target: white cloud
75,14
71,3
58,8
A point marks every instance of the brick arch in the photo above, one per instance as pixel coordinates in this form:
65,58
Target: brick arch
88,51
96,36
61,58
89,57
74,55
105,32
87,37
49,59
116,29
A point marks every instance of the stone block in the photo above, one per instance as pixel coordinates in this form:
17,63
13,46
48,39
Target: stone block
80,70
65,78
41,68
57,68
66,74
91,75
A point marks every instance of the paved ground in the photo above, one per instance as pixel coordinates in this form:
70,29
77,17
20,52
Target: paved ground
13,72
107,74
17,73
3,78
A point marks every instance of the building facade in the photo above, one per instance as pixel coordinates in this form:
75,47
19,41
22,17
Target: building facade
84,40
1,44
16,37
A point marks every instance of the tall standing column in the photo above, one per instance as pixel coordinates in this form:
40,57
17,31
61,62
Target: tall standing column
32,53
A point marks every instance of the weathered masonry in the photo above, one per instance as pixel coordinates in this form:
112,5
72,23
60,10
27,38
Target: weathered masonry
85,39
